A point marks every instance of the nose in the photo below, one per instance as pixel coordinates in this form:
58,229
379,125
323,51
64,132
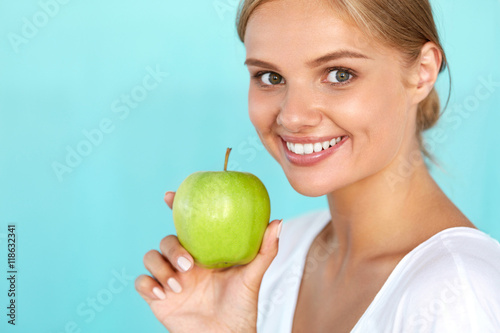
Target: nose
299,110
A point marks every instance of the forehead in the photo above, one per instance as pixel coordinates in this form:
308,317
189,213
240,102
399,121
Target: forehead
304,28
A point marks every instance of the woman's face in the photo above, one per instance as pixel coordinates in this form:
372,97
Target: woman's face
328,104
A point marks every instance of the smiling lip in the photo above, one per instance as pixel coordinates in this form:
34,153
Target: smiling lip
310,159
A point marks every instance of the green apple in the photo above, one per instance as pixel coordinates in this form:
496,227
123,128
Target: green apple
221,216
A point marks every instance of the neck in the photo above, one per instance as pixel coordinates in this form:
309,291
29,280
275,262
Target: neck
380,214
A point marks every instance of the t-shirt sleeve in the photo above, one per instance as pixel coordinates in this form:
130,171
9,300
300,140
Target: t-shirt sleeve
457,293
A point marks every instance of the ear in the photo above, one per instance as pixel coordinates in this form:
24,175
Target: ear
428,67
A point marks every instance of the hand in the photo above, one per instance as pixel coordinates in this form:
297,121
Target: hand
187,298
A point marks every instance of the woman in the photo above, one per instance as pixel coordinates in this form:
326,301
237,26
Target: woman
340,93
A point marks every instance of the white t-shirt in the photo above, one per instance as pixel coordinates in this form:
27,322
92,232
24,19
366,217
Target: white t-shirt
449,283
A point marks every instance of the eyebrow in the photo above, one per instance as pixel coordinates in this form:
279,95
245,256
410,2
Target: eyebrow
314,63
336,55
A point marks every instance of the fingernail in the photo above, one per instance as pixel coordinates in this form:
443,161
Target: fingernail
184,263
174,285
159,293
278,231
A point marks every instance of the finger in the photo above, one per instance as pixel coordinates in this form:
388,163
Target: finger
169,198
177,255
149,288
254,272
162,271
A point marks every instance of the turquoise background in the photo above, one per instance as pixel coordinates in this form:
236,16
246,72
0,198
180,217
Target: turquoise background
79,230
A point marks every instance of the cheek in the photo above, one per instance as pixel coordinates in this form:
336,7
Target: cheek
262,111
380,122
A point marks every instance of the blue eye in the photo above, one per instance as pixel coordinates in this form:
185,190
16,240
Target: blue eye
339,76
271,78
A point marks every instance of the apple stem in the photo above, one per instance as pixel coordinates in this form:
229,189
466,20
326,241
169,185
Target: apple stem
228,151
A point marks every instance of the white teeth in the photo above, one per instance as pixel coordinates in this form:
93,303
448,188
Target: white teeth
309,148
299,149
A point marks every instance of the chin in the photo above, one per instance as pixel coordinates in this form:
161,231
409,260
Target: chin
313,188
309,192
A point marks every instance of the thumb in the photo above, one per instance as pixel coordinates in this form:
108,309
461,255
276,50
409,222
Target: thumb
254,271
169,198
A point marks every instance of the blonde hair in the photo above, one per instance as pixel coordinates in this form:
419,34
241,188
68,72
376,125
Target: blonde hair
405,25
